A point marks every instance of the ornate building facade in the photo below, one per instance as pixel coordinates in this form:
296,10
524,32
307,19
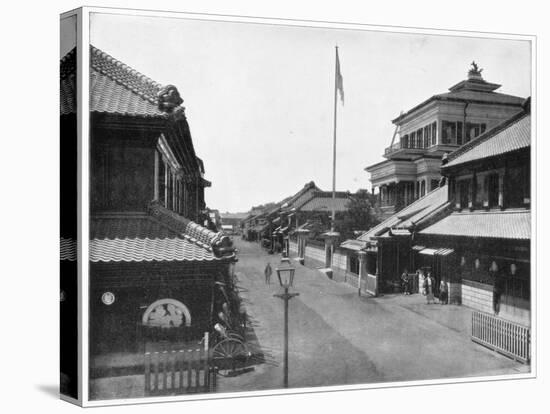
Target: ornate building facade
435,127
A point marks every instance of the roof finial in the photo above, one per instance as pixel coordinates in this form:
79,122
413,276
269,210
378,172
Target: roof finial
475,71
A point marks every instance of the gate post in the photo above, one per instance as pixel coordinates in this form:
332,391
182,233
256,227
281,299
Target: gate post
362,255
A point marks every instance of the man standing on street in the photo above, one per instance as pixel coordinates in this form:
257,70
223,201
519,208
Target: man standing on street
267,273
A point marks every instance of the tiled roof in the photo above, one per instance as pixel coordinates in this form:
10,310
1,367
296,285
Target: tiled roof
67,249
489,97
160,235
412,214
324,201
67,84
492,224
109,96
469,91
117,88
190,229
511,135
114,87
301,196
148,249
136,226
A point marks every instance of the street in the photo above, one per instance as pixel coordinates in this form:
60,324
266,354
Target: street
337,338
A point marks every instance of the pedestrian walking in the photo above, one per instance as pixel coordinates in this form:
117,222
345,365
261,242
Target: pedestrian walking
430,281
267,273
422,286
497,293
405,282
443,293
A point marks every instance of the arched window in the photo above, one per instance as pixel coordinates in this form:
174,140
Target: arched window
166,313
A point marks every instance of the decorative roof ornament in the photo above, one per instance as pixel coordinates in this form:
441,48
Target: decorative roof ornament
169,98
475,72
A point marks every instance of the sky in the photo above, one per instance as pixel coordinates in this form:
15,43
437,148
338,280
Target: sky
259,98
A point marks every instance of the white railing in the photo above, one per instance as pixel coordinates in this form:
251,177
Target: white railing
506,337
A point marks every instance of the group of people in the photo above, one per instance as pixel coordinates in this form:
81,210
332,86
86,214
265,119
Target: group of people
427,285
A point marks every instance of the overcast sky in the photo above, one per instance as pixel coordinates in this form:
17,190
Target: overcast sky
259,97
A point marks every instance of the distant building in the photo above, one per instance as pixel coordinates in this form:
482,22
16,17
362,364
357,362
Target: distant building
214,220
437,126
233,219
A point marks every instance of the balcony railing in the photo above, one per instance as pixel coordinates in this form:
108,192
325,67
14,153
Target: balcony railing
392,148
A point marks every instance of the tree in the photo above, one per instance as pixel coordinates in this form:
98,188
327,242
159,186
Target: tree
361,215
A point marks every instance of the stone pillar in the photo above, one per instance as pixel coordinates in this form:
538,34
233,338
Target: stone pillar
362,255
302,236
331,239
472,200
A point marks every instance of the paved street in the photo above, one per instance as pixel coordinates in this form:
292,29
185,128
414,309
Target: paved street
337,338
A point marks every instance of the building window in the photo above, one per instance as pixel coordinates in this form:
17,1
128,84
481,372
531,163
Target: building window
353,264
412,140
459,133
472,130
517,186
434,133
419,139
405,142
448,132
169,189
464,192
427,136
161,180
492,189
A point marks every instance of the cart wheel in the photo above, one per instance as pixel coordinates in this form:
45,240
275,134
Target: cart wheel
235,335
229,355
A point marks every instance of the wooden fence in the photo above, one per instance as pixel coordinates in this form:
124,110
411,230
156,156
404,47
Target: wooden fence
508,338
179,372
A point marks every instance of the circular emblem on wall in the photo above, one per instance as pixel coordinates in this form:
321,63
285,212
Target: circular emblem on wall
108,298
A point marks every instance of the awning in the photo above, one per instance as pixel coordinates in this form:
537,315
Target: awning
437,252
354,245
400,232
418,248
429,252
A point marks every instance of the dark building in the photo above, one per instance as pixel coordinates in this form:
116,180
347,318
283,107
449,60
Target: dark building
153,269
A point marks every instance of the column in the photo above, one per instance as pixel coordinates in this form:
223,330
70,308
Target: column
472,198
362,256
501,189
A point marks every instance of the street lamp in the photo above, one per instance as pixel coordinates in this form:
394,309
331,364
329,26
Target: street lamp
286,279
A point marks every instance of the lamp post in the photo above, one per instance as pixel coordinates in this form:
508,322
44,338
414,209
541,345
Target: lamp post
286,279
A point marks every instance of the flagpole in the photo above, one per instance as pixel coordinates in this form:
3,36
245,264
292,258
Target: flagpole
334,141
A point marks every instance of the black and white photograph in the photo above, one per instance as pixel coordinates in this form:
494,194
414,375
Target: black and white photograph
291,205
